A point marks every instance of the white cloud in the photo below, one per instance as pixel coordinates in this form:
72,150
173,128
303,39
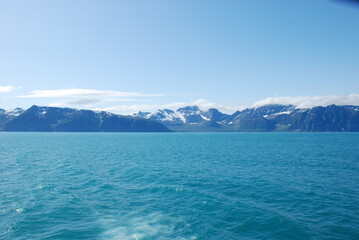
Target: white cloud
90,102
4,89
226,108
300,102
201,103
78,97
102,99
78,92
311,101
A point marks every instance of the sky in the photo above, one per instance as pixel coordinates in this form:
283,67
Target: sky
126,56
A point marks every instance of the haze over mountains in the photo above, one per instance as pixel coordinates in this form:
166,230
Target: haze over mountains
331,118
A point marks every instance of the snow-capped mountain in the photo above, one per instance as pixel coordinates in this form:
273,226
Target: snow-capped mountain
264,118
12,112
187,115
54,119
7,115
194,115
331,118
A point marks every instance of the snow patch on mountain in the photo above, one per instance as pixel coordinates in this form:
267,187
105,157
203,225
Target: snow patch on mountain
14,112
192,115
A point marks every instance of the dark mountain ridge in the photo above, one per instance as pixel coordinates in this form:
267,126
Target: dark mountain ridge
54,119
331,118
287,118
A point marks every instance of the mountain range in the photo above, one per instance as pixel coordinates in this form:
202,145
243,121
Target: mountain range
331,118
286,118
54,119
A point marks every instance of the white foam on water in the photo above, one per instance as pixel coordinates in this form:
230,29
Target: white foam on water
19,210
153,226
135,228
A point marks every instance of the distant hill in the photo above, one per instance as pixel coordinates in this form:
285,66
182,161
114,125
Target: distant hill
53,119
331,118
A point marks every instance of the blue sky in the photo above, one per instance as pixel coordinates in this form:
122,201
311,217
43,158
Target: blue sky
125,56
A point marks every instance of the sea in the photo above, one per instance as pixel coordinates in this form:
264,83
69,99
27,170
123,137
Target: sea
179,186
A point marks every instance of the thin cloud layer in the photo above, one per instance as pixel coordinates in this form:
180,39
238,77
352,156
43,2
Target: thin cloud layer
201,103
78,92
300,102
106,100
78,97
90,102
5,89
311,101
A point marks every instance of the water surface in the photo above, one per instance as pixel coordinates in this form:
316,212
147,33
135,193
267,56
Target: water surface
179,186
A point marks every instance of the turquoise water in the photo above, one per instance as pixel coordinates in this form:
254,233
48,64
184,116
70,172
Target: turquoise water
179,186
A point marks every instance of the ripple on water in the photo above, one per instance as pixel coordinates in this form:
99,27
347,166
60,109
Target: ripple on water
179,186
